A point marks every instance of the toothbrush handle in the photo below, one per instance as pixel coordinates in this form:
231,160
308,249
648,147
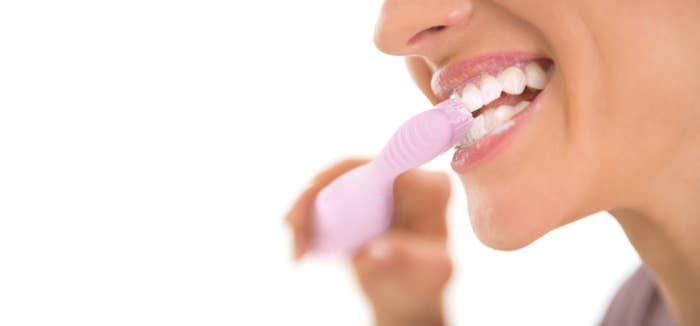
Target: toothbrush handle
351,210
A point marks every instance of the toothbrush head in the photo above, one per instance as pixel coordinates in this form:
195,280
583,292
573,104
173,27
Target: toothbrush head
458,117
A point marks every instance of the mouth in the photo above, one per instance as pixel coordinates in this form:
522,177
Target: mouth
499,90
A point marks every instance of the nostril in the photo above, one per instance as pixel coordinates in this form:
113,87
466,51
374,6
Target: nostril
426,32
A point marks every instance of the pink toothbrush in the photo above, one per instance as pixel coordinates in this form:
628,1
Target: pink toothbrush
358,205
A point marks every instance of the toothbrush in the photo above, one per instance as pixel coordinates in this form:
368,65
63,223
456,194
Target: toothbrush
358,205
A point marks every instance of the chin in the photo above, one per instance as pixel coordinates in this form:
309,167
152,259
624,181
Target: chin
504,221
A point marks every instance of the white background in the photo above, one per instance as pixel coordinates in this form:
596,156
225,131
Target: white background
148,150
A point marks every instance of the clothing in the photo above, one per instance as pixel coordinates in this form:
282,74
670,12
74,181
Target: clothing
638,303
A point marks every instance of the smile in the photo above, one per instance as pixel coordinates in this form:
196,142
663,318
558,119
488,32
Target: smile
498,90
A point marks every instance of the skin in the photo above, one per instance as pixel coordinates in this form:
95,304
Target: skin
619,131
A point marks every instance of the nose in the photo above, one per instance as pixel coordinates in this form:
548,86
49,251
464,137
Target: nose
408,27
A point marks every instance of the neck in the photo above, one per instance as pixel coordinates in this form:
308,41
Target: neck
664,228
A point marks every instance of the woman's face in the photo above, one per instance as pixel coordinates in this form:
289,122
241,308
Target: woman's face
617,105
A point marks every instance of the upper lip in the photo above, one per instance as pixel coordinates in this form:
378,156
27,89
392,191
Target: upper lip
458,73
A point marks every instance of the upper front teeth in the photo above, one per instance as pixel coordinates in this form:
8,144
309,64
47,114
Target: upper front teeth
471,97
490,89
512,80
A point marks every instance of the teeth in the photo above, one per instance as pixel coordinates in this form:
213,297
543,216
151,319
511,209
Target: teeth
512,80
490,120
478,128
504,112
537,78
471,96
521,106
490,89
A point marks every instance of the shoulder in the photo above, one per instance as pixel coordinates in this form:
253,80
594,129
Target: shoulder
638,302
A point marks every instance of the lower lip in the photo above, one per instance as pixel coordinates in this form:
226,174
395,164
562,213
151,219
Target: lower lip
470,157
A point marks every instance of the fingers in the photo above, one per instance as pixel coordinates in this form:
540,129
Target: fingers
420,202
298,222
402,252
299,216
337,170
421,199
403,270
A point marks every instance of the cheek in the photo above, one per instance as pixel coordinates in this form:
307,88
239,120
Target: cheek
639,121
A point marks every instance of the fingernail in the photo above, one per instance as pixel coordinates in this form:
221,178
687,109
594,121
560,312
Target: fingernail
380,250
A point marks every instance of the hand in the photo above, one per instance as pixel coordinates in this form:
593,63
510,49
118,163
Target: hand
404,271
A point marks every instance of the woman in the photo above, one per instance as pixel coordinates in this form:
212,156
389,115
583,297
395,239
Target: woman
610,122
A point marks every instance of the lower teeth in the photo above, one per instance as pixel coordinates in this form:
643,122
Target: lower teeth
491,120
